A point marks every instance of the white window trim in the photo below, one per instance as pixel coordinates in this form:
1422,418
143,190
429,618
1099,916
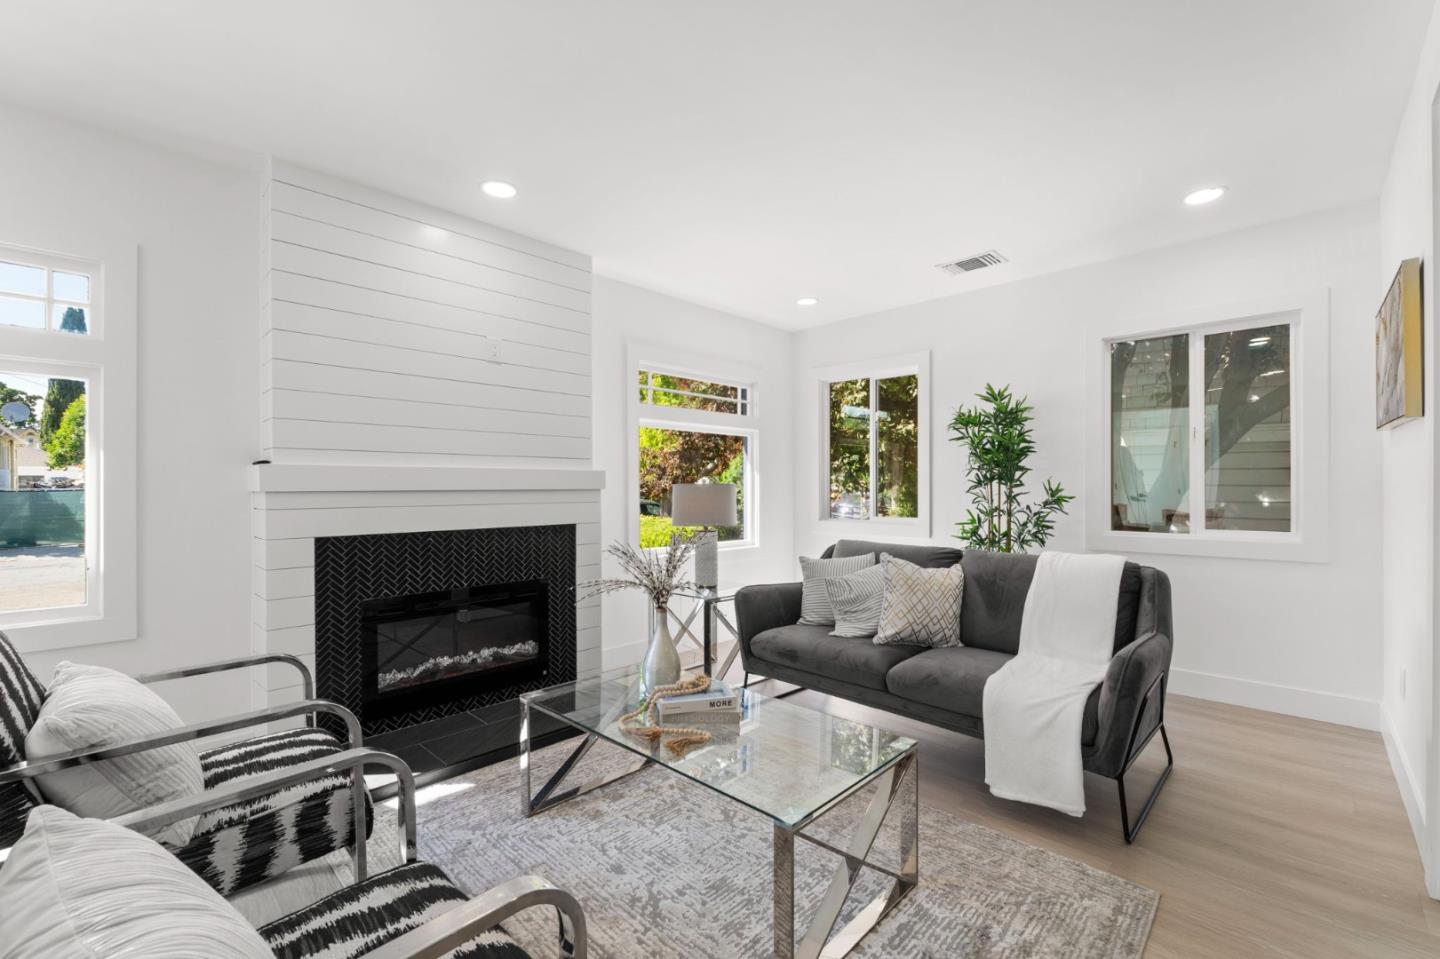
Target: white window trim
880,368
640,414
1309,539
105,356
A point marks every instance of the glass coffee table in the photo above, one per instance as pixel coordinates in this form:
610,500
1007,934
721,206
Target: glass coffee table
783,760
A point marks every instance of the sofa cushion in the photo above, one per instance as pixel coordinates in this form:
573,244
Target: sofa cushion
954,678
950,678
931,557
995,589
812,649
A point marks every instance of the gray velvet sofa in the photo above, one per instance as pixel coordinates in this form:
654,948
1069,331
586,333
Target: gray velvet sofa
945,687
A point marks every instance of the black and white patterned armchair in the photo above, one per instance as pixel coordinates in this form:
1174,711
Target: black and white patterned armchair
234,845
412,911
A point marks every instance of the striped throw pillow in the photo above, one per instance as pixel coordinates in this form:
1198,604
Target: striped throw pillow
814,601
856,600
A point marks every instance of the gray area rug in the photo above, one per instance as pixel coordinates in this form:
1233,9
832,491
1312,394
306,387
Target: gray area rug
665,867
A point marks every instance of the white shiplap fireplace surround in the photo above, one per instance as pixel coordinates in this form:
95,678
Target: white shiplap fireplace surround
420,371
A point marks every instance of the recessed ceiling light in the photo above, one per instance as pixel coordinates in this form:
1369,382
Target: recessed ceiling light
1207,195
806,301
499,189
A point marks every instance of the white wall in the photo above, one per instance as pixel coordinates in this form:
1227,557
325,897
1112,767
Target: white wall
1293,637
393,332
194,222
627,317
1407,228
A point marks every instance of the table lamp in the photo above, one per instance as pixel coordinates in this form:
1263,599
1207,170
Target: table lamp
708,505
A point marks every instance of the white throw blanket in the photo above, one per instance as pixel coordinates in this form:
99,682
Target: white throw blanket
1035,703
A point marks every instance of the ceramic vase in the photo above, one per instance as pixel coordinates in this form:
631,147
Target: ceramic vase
661,665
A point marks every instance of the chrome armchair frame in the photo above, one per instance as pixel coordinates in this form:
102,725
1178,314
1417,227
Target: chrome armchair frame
307,681
455,927
441,934
307,708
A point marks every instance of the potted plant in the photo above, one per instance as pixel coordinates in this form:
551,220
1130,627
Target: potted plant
658,573
996,434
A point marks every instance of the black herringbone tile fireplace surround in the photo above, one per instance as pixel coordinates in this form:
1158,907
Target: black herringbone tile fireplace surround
349,570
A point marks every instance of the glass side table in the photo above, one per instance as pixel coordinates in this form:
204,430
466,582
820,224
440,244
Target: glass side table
706,605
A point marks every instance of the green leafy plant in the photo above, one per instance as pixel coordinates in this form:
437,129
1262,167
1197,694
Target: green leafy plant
996,433
58,397
66,446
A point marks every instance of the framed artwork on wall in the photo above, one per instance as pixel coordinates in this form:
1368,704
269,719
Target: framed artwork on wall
1399,362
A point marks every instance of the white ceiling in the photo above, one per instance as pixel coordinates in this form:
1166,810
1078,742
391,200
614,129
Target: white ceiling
743,154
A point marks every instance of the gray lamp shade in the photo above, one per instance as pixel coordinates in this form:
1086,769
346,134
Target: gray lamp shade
703,504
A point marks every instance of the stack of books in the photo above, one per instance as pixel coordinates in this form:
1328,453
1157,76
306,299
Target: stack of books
718,704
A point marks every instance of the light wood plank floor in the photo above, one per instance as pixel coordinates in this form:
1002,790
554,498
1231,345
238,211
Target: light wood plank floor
1275,836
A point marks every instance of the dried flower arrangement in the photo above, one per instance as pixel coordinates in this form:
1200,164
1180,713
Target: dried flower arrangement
659,573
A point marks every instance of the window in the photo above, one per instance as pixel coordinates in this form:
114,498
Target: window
670,456
58,353
45,296
690,428
873,447
666,389
42,492
1201,432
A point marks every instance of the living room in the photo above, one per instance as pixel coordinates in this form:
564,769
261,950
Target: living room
702,349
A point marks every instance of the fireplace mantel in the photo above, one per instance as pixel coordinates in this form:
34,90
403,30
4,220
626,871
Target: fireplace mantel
328,478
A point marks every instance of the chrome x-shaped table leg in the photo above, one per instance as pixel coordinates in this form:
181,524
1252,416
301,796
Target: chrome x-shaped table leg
898,785
532,803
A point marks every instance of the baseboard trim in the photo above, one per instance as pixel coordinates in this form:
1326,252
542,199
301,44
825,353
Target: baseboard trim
1410,792
1275,698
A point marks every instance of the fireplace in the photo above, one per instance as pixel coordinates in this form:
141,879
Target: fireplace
413,627
425,647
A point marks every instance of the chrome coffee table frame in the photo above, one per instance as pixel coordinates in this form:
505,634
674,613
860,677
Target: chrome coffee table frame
897,789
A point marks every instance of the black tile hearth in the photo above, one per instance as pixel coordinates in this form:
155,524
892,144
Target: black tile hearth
463,741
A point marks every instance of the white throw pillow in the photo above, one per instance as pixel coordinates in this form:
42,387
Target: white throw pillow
815,609
81,889
90,707
856,600
920,607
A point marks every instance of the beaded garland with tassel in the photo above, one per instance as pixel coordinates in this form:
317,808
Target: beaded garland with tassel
641,722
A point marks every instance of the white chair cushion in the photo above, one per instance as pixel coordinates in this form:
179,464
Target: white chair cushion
91,707
83,889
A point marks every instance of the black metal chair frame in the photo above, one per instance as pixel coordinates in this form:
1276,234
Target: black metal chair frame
1132,753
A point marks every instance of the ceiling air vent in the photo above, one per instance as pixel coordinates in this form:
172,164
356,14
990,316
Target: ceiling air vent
972,263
